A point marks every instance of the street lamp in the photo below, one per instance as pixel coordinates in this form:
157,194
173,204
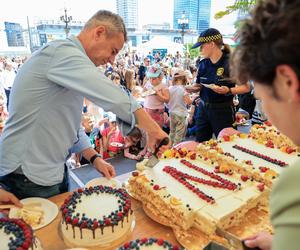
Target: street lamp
66,19
183,23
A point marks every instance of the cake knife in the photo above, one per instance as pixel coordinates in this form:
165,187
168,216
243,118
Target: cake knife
233,240
153,160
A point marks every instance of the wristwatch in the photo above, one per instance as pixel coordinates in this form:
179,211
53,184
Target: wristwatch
94,157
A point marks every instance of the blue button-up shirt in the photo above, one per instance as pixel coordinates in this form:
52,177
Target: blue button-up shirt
45,110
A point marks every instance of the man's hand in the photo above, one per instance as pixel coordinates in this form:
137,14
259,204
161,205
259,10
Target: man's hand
104,168
263,240
222,90
9,198
153,141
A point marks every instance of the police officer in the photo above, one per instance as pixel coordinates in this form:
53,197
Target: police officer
216,110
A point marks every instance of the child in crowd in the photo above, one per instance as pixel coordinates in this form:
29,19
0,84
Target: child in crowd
179,99
116,77
135,144
113,142
88,124
193,116
258,116
155,104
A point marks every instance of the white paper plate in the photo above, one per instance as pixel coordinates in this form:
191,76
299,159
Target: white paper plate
50,210
117,144
148,92
105,182
210,86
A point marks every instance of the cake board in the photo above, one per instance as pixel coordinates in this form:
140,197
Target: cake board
255,221
37,244
193,239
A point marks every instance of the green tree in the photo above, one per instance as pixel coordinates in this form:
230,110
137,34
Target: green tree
194,53
239,5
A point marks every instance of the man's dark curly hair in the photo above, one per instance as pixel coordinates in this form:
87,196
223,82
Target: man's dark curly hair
270,37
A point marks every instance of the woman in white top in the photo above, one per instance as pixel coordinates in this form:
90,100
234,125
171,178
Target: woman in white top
178,111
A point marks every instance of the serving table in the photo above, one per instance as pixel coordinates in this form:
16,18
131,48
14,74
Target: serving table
144,227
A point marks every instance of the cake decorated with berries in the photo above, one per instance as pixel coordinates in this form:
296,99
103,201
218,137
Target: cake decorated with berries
270,136
190,193
149,244
97,216
246,155
16,234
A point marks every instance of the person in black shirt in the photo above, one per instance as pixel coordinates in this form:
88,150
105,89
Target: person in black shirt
143,69
217,90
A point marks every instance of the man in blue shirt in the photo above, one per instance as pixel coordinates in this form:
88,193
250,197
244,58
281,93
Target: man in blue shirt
43,127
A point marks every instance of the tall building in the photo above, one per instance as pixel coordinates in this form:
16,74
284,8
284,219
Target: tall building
128,10
14,34
197,12
204,15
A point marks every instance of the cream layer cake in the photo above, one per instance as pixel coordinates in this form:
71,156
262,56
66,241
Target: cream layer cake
15,234
99,215
149,244
190,194
247,156
271,137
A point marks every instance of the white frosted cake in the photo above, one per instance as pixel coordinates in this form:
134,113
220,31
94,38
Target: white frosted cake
96,216
16,234
190,193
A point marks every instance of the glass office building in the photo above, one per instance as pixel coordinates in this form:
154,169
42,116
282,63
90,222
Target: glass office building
204,15
14,34
197,11
128,10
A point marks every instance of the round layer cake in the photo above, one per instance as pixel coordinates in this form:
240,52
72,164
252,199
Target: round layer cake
16,234
96,216
148,244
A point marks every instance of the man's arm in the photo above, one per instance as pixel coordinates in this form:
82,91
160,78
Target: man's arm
101,165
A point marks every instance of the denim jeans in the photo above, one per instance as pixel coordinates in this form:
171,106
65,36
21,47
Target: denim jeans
22,187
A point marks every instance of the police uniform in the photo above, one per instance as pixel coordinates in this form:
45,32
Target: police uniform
216,111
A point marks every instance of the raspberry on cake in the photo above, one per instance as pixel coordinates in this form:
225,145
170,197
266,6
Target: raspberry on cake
16,234
96,216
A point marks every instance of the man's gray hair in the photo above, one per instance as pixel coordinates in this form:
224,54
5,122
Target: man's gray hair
112,21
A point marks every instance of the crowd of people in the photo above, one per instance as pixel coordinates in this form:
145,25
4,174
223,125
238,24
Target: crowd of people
56,106
168,88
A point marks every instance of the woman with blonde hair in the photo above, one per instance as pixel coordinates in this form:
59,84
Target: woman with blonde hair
129,79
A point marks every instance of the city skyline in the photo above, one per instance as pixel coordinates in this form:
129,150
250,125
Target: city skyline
154,11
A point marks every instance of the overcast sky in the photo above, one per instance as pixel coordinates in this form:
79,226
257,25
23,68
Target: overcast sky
154,11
